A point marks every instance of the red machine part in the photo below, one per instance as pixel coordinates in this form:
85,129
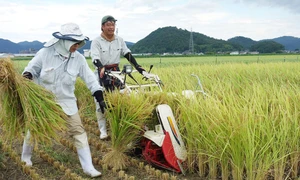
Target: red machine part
161,156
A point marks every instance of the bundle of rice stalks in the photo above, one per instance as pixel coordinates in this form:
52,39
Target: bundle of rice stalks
157,98
27,106
127,116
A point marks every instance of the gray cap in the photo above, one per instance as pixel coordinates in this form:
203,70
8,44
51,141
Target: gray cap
108,18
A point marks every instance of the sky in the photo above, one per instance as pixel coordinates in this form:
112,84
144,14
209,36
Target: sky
29,20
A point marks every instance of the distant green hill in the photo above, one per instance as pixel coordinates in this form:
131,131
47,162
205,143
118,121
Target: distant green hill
243,41
290,43
7,46
172,40
262,46
267,46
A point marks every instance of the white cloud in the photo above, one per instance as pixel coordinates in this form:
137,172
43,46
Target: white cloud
221,19
291,5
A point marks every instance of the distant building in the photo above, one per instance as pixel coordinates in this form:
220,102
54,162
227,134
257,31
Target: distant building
6,55
24,55
86,53
234,53
137,54
254,52
29,51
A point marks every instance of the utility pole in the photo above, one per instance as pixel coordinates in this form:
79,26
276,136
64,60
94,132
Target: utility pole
191,47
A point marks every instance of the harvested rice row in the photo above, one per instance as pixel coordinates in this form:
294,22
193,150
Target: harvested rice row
99,145
152,171
68,144
92,129
56,164
96,160
26,169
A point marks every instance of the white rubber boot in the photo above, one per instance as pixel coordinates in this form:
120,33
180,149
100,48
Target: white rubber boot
102,125
27,150
84,154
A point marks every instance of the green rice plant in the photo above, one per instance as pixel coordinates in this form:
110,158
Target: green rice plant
292,104
27,106
286,121
85,102
249,124
127,116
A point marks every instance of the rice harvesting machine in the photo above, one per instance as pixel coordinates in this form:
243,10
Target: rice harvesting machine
163,146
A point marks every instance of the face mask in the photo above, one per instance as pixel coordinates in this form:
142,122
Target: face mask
63,47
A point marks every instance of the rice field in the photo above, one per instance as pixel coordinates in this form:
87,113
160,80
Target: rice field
246,127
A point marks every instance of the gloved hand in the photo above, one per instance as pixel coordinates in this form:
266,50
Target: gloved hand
140,69
27,75
100,67
100,99
147,75
97,63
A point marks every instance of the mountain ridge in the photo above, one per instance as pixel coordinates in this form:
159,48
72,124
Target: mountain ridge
168,39
290,43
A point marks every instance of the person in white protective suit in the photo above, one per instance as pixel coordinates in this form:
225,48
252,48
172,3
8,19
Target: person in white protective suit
56,68
106,51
